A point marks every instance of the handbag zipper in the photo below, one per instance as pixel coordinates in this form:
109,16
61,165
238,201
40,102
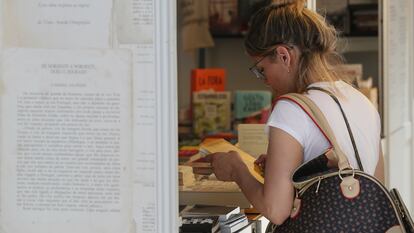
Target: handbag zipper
319,183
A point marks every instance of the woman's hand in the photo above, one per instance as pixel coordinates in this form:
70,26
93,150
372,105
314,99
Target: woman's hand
261,161
226,165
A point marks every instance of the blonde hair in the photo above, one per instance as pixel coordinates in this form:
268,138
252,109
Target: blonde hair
290,22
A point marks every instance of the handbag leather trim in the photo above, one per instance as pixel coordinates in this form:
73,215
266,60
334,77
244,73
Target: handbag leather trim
350,187
395,229
297,204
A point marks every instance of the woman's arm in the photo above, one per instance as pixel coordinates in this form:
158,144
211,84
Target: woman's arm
379,170
274,199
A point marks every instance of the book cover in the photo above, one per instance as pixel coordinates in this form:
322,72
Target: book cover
221,145
211,112
208,79
199,224
252,106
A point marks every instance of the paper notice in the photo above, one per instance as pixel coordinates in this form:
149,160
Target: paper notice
144,137
66,141
58,24
135,21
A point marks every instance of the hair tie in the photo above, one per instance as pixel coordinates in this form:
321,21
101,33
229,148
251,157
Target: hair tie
279,3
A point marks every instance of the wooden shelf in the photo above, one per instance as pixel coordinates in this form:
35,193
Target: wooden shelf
358,44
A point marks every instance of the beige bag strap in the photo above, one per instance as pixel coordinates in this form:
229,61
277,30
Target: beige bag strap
335,155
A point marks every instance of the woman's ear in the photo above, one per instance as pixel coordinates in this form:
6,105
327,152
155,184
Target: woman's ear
284,55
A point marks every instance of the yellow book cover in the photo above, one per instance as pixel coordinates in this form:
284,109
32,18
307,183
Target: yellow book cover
220,145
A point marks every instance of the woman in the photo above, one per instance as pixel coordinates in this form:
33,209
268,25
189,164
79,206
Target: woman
293,49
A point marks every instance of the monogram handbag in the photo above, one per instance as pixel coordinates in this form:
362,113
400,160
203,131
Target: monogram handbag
333,197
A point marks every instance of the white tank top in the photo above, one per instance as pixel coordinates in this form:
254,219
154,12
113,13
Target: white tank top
362,116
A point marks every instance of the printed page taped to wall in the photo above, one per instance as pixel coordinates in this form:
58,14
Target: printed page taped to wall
135,21
220,145
57,24
66,141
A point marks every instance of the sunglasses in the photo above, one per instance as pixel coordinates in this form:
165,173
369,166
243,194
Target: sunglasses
259,72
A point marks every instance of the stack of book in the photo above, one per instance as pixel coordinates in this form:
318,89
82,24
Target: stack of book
223,212
186,152
185,176
234,223
207,218
213,192
199,224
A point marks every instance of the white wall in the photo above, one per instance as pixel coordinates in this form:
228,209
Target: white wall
411,71
398,96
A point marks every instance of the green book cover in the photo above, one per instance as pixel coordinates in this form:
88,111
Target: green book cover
211,112
249,104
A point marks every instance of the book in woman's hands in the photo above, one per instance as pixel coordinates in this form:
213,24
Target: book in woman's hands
220,145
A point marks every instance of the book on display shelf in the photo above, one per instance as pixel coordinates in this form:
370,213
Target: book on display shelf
211,112
252,106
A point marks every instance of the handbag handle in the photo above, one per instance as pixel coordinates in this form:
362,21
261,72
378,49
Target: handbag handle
348,127
335,153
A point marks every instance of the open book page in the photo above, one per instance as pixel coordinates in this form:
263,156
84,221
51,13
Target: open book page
221,145
135,21
57,24
66,141
144,138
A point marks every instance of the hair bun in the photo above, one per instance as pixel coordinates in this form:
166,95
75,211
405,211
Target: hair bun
281,2
278,3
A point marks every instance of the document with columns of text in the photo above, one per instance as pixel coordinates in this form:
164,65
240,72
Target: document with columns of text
66,141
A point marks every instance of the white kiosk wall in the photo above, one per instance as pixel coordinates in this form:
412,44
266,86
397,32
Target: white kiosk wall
398,92
88,116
